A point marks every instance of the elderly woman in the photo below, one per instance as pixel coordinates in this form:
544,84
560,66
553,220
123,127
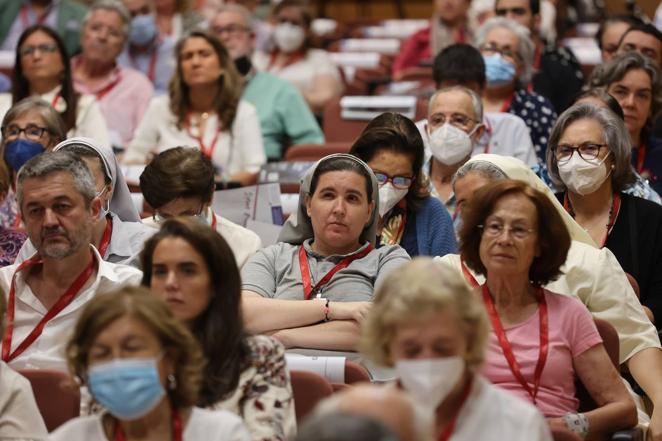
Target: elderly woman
514,236
325,260
508,53
429,326
118,234
204,110
589,159
180,182
408,216
635,81
244,374
294,59
144,367
42,69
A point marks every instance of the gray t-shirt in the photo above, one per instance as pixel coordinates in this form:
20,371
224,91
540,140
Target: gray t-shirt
274,272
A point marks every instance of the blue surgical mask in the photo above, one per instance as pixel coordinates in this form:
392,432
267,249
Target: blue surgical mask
143,29
20,151
499,72
128,388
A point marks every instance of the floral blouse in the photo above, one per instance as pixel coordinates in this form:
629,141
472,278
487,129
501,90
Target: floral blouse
263,397
11,242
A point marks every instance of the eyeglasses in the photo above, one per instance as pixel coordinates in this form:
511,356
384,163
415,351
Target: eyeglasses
495,229
587,151
401,182
457,120
232,30
162,217
490,49
43,47
502,12
32,132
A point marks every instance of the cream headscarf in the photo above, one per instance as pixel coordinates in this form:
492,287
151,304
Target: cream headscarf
514,168
298,227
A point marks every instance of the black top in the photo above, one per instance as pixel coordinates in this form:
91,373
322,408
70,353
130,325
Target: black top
559,77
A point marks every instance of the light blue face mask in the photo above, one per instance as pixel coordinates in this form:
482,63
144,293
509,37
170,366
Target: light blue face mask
128,388
143,29
499,72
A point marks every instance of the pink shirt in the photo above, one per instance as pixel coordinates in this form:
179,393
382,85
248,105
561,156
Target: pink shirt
571,332
123,98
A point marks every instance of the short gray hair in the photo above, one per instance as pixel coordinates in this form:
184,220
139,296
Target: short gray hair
239,9
341,426
53,162
52,119
615,135
483,168
525,48
115,6
476,102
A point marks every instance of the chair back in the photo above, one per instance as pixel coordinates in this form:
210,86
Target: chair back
314,152
308,389
58,399
355,373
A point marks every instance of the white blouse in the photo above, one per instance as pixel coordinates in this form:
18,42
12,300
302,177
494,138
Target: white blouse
235,151
19,415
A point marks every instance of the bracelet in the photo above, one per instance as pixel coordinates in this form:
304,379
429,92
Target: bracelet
327,311
577,423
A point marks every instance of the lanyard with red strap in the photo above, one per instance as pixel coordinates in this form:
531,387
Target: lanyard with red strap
613,213
177,429
641,157
291,59
468,276
308,289
461,35
151,67
105,238
106,90
536,64
55,99
206,150
25,18
446,434
213,221
508,350
64,301
507,103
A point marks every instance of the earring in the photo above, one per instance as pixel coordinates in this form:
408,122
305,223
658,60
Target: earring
172,382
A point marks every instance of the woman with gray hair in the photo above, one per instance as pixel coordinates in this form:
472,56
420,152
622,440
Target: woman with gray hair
636,83
589,158
508,52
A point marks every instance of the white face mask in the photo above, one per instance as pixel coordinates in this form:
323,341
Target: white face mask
581,176
388,197
430,380
450,145
289,37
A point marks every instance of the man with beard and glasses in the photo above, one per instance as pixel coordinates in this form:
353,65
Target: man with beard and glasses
47,292
285,118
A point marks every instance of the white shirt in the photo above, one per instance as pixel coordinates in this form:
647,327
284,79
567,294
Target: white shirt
19,415
90,122
243,242
241,152
126,243
47,351
202,425
505,134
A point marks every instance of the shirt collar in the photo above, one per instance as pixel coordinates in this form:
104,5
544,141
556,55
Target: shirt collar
309,250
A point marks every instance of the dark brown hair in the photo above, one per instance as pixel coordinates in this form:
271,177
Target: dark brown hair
230,83
180,172
219,329
552,235
21,88
395,133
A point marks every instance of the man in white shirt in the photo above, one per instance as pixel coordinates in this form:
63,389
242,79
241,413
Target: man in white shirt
47,292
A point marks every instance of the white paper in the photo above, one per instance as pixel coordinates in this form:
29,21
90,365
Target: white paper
258,203
268,232
132,173
368,107
381,45
331,368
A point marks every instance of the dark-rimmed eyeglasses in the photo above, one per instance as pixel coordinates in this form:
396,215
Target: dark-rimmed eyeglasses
43,47
401,182
491,49
32,131
588,151
496,229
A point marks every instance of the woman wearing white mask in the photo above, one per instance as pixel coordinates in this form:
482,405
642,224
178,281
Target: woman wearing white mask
589,158
540,342
145,368
508,53
408,216
293,59
431,327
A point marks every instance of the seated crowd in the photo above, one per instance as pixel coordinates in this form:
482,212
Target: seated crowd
492,267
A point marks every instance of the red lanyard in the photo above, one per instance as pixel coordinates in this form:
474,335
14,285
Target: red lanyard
55,99
25,19
308,289
213,221
446,434
461,35
105,239
106,90
291,59
64,301
536,64
613,213
206,150
152,64
508,350
468,276
177,428
507,103
641,157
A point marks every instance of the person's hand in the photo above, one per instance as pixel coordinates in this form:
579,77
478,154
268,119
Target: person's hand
557,424
655,426
348,310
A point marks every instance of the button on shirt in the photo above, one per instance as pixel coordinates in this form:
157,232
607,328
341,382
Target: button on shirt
47,351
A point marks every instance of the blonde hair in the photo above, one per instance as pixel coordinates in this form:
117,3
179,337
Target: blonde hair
420,288
141,304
